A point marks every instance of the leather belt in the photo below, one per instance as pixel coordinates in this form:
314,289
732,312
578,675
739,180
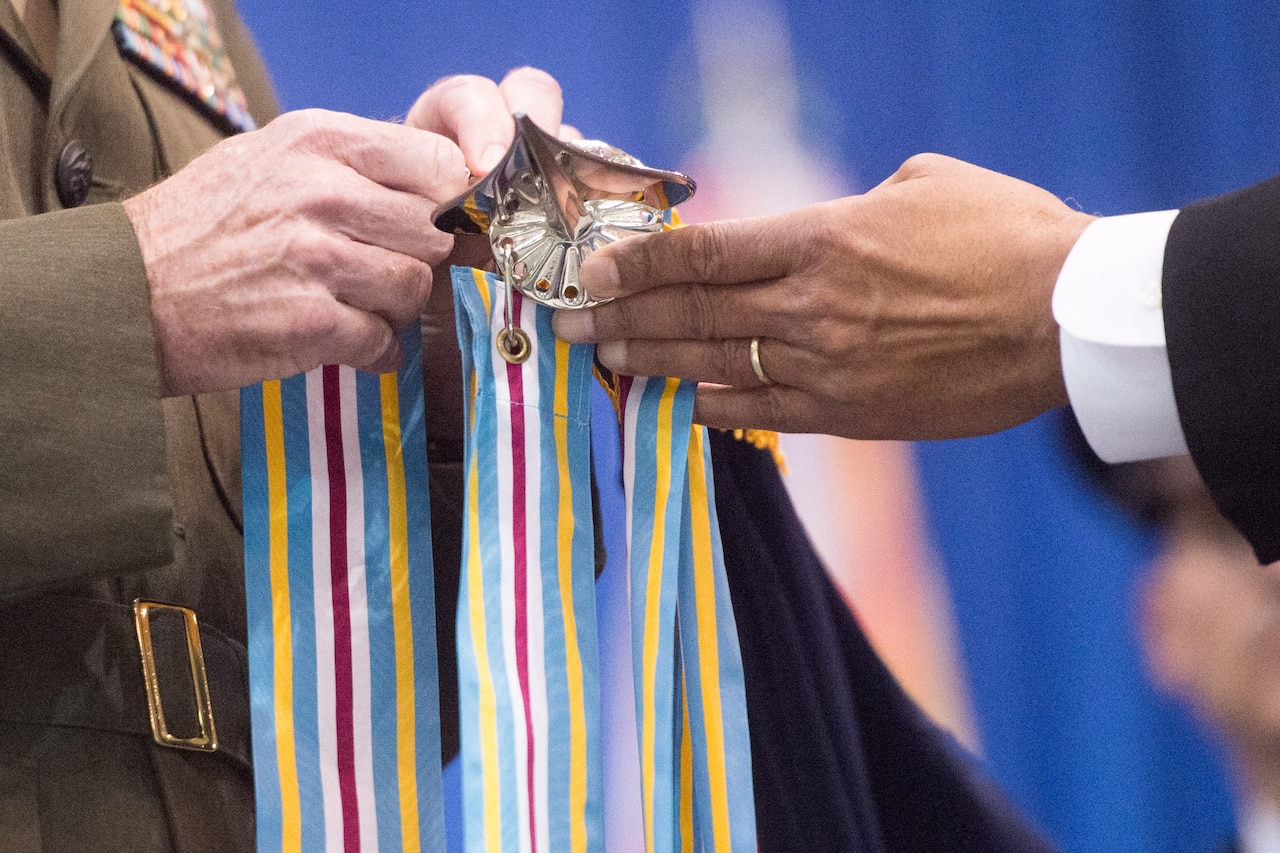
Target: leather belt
77,662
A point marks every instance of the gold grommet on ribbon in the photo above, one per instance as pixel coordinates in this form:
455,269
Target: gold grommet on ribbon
514,346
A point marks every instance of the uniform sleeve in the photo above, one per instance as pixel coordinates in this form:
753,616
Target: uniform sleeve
1108,306
1222,322
82,442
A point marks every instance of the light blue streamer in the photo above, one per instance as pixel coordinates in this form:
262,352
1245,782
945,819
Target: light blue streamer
383,708
733,702
643,514
540,371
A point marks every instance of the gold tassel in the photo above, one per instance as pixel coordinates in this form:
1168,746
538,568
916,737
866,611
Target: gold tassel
764,439
609,382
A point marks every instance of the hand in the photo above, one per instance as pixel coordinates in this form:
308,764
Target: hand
476,113
307,242
919,310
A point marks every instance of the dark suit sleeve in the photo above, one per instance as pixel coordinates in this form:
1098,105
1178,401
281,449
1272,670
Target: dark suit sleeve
1222,326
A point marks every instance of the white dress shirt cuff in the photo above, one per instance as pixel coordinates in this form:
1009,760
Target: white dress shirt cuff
1107,305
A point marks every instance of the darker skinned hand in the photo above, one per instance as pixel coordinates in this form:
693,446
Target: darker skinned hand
920,310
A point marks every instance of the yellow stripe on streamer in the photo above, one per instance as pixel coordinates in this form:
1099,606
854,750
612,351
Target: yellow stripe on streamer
686,771
488,709
573,659
290,799
708,642
398,525
482,285
652,598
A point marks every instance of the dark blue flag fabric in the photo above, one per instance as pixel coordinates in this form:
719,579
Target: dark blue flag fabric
1116,107
842,759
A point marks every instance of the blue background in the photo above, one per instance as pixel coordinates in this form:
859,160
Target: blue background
1116,106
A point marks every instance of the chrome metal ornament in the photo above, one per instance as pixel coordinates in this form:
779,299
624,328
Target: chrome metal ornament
549,204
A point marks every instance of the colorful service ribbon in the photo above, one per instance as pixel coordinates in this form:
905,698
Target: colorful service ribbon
178,41
341,609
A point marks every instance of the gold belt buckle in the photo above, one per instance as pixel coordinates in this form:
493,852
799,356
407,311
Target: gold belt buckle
207,740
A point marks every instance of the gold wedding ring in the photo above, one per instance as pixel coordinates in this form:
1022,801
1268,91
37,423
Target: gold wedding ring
755,363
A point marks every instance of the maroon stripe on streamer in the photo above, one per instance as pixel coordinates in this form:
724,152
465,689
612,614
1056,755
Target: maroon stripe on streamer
624,392
519,530
344,694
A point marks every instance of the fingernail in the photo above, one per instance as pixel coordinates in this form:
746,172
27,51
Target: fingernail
613,355
599,276
490,157
575,326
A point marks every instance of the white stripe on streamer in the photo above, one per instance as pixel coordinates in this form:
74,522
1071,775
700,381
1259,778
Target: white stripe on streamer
361,686
322,579
535,519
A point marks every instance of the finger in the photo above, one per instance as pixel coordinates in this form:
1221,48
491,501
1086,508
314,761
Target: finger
681,312
350,204
777,407
721,362
472,111
725,252
363,341
569,133
536,94
393,155
392,286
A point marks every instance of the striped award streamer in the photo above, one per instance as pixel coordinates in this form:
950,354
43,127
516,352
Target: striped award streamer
695,753
527,656
339,582
715,699
528,659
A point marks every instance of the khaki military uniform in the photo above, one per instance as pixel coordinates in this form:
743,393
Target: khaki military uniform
107,493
